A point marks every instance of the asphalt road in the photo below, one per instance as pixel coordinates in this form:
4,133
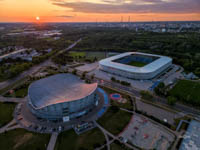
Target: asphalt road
163,101
135,92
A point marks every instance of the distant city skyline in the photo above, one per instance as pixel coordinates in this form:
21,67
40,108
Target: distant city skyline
99,10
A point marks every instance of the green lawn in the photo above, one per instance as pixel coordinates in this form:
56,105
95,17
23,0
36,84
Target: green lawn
20,92
118,146
136,64
77,54
20,139
69,140
6,111
17,83
88,55
115,120
98,55
187,92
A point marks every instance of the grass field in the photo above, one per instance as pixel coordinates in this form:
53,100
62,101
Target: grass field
119,146
77,54
86,141
88,55
20,139
19,92
17,83
136,64
98,55
6,111
187,92
115,121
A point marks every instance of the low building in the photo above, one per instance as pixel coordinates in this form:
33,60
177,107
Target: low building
191,139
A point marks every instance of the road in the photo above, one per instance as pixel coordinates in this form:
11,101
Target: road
136,93
35,68
163,101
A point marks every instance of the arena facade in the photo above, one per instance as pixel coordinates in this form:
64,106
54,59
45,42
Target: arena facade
61,97
135,65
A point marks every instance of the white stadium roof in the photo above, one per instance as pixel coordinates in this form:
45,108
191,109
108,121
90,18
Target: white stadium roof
151,67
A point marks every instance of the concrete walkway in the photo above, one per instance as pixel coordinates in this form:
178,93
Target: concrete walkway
10,126
114,137
11,99
107,140
52,141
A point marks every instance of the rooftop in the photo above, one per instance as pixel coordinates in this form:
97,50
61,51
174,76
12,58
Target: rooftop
151,67
58,89
191,137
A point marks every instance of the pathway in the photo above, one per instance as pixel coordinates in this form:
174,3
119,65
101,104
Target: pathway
52,141
113,136
10,126
12,99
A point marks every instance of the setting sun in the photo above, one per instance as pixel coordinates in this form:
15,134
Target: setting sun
38,18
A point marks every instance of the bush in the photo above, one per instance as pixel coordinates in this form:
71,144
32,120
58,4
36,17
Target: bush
74,71
113,79
146,95
160,89
125,83
171,100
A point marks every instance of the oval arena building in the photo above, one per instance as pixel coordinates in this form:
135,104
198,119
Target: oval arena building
61,97
136,65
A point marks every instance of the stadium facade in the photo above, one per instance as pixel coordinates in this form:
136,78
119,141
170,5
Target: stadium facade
61,97
147,66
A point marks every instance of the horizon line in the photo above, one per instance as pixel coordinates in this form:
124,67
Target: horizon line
97,21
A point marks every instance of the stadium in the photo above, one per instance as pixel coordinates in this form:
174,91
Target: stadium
135,65
61,97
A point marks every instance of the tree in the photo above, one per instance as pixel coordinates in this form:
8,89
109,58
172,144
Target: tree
83,75
171,100
160,89
146,95
74,71
92,76
113,79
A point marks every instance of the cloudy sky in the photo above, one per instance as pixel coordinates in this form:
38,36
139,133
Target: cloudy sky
98,10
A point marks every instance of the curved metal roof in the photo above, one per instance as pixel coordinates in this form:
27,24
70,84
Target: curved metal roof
149,68
58,89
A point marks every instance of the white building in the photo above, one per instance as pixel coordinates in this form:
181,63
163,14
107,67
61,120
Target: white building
120,65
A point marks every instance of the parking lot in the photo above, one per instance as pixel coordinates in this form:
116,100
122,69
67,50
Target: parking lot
143,133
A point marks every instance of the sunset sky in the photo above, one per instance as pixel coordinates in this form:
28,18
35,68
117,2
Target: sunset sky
98,10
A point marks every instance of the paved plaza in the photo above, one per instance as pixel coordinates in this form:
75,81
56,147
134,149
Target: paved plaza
88,67
143,133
